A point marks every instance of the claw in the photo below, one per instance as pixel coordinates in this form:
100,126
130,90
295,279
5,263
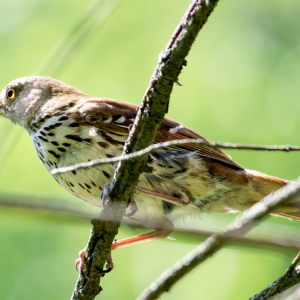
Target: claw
82,273
80,263
133,207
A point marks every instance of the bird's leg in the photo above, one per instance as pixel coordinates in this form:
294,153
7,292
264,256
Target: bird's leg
173,200
146,237
160,233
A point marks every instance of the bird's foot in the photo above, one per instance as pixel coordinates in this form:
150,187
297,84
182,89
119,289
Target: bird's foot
105,197
80,263
133,207
81,267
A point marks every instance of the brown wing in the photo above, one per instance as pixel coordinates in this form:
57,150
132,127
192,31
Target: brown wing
171,130
115,116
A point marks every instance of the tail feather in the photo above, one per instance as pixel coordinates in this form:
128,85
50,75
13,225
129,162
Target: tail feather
293,215
265,184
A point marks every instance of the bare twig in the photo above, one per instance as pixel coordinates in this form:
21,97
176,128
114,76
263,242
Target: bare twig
238,228
290,269
61,210
287,280
152,148
150,115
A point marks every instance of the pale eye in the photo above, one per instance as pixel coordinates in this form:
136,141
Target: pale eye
11,94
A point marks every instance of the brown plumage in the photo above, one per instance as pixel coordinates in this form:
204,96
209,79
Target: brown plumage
68,127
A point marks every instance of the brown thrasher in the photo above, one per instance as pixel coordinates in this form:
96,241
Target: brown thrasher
68,127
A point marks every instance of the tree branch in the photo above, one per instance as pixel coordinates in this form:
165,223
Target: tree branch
61,211
210,246
152,148
287,280
150,115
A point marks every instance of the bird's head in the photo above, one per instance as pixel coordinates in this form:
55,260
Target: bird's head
27,99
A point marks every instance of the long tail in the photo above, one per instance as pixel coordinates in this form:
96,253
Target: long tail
265,184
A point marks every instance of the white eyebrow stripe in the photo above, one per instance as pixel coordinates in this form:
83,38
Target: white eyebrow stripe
175,129
120,120
108,120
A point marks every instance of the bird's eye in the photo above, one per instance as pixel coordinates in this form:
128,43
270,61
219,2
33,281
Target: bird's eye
11,94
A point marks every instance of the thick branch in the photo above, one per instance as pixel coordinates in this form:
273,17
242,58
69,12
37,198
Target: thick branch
238,228
150,115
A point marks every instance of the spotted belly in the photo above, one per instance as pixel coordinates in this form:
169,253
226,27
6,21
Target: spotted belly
65,142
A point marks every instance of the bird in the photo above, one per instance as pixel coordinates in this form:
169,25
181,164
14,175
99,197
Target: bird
67,127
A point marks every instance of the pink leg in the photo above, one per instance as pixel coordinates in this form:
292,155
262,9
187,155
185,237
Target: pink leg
174,200
146,237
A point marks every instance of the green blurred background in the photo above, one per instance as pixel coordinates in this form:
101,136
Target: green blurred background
241,85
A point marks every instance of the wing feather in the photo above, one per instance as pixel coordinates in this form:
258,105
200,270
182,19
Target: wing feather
107,114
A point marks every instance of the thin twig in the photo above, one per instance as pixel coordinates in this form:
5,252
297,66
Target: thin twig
63,211
287,280
200,142
274,289
238,228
